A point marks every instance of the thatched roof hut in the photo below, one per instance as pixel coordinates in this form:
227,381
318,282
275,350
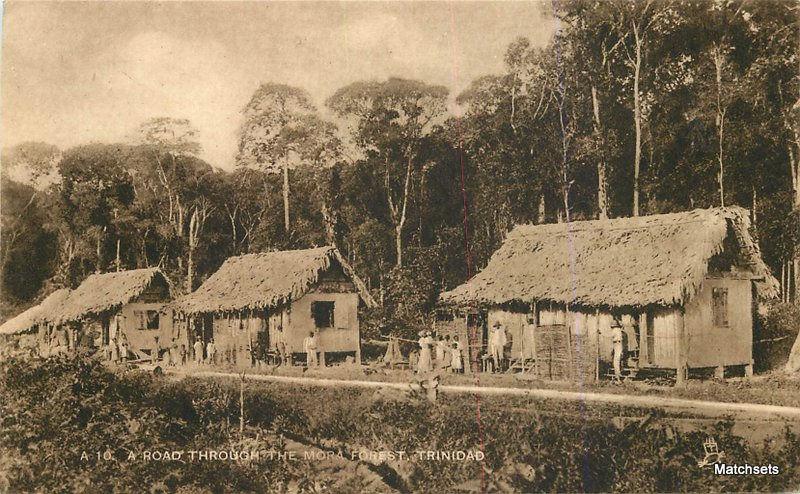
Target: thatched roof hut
264,280
37,314
624,262
105,292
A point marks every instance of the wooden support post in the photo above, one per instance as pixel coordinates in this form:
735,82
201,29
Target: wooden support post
358,345
570,357
468,345
597,345
535,343
644,330
680,360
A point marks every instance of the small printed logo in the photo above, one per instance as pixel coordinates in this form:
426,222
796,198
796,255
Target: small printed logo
712,453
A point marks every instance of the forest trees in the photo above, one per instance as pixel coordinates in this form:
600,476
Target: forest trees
390,122
274,119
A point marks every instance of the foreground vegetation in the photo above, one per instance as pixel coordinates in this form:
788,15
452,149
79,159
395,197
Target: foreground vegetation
54,410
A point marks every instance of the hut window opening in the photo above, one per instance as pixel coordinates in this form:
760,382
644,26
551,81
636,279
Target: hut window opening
322,312
152,319
719,297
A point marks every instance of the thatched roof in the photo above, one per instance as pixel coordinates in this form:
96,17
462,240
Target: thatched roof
36,314
659,259
268,279
104,292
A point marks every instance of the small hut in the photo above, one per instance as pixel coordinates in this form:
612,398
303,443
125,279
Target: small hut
30,319
29,326
131,302
683,285
250,297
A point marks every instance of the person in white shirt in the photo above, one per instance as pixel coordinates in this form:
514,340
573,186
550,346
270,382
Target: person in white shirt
211,352
198,351
497,343
310,347
616,347
456,364
424,363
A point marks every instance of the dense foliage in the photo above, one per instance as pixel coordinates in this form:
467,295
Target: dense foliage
632,108
55,410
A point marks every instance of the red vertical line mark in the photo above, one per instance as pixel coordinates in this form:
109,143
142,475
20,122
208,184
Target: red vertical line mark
570,233
467,249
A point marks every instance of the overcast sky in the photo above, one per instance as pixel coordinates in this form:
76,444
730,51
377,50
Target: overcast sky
80,72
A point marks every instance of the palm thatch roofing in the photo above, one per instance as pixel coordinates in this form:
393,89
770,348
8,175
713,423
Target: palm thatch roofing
37,314
267,279
105,292
647,260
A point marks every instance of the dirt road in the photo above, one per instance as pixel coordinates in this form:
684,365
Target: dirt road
713,409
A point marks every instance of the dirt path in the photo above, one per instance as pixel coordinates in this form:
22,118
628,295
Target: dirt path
713,409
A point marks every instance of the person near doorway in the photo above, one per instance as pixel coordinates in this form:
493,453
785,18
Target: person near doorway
310,347
424,363
617,348
113,348
156,353
123,348
442,353
456,363
211,352
497,343
198,351
280,345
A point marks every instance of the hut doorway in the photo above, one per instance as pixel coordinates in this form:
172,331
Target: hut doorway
207,327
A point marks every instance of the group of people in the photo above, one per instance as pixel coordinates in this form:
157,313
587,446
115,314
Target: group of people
117,349
444,352
449,353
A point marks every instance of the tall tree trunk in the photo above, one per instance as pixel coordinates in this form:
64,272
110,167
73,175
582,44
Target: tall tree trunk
195,225
637,117
398,214
602,194
720,120
118,261
542,214
286,195
98,250
398,242
329,223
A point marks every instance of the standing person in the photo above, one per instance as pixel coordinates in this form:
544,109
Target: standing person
616,348
183,354
310,347
280,345
441,353
211,352
113,348
123,348
156,354
173,353
497,343
424,362
198,351
455,356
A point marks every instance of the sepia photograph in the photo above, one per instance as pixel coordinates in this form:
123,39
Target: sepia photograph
400,246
